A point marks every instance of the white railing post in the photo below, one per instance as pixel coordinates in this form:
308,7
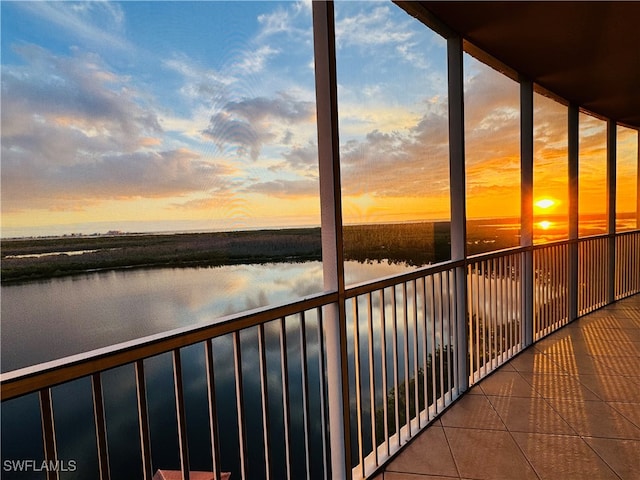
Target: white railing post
457,198
332,243
611,210
526,207
573,144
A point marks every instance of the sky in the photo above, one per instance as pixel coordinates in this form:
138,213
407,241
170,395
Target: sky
170,116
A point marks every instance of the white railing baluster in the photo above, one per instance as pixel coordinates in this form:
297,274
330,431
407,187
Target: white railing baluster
181,417
213,410
326,461
101,426
383,353
396,373
286,417
358,383
48,432
405,345
372,382
264,400
143,421
304,369
242,433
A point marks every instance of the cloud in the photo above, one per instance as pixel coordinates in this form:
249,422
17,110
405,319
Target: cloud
281,188
202,86
413,161
250,123
74,96
122,176
254,61
492,129
383,31
75,133
96,23
285,21
370,27
303,157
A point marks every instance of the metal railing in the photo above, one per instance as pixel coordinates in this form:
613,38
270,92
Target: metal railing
248,394
627,255
495,307
402,333
593,264
551,288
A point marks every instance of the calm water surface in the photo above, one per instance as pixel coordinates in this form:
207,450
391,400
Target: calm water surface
51,319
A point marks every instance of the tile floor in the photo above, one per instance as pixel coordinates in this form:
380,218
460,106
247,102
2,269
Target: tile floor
566,408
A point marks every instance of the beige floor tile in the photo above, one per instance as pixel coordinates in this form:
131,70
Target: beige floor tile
570,413
631,411
507,383
563,457
617,334
560,386
427,454
623,365
576,365
530,415
623,456
472,411
612,318
486,454
411,476
595,419
475,390
612,388
533,361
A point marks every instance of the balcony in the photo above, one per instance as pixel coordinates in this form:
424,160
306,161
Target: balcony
358,380
405,335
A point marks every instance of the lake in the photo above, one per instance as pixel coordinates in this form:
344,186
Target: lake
54,318
50,319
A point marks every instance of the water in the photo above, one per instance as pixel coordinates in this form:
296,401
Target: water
55,318
51,319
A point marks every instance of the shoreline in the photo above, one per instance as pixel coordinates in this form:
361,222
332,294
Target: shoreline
44,259
414,244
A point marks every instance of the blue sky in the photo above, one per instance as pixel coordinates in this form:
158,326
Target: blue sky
147,116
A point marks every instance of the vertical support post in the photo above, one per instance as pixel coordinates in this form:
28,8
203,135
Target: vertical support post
573,140
458,201
526,207
332,242
611,210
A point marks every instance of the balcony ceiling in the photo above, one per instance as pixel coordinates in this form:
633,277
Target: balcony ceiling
585,52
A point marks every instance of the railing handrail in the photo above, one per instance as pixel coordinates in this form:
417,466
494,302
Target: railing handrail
30,379
33,378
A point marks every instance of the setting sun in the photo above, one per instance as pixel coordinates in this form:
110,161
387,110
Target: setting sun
545,203
545,224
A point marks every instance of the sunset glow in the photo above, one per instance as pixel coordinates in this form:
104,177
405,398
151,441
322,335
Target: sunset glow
545,203
545,224
122,116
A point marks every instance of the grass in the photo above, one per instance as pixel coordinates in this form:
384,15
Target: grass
413,244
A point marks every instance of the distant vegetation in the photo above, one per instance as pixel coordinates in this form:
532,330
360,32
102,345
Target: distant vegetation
413,244
146,251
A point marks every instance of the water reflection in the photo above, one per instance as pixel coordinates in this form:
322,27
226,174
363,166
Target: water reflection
52,319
